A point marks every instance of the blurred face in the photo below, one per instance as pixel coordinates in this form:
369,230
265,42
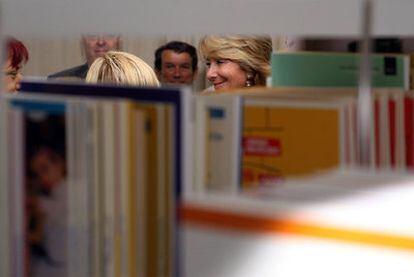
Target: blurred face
97,45
176,68
225,74
48,167
12,77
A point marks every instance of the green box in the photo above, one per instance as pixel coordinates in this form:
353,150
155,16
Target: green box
322,69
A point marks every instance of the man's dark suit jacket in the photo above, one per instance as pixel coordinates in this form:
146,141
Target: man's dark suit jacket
74,72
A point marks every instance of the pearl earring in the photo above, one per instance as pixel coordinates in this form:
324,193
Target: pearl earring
249,80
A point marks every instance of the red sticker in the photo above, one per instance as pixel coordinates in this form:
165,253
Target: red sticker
260,146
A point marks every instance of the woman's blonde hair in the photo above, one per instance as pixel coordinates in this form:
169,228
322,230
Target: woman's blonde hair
252,53
121,68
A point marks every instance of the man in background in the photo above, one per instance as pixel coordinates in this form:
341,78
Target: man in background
176,63
95,46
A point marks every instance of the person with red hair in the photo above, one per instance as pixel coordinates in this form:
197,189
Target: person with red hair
17,56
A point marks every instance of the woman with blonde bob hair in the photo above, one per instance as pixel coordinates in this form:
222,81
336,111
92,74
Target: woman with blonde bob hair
236,61
121,68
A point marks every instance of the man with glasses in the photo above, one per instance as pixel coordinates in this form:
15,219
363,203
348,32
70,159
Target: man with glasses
94,46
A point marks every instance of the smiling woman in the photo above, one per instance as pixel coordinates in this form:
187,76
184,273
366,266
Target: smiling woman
236,61
17,56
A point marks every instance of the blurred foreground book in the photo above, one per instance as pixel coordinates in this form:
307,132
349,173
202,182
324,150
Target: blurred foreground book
93,175
343,223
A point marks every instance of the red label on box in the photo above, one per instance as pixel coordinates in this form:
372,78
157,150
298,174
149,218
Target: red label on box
260,146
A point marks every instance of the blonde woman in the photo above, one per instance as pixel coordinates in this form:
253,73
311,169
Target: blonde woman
121,68
236,61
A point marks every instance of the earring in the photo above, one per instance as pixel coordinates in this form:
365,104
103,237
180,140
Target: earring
249,80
